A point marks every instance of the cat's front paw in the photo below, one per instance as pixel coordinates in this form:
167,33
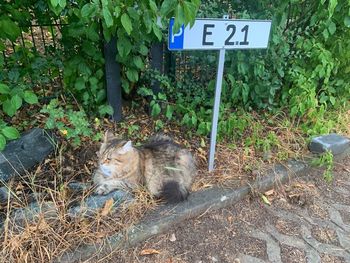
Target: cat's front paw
102,189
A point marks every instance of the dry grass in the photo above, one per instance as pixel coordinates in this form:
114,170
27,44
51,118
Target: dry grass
52,232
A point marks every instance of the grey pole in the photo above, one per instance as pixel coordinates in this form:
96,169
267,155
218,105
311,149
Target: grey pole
214,125
113,83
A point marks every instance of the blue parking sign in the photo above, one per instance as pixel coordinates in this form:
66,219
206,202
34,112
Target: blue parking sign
176,41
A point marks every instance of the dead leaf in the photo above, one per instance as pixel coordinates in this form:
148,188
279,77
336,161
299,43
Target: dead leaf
172,238
149,251
107,207
270,192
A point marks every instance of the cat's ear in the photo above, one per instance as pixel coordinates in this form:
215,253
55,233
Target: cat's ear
126,147
108,136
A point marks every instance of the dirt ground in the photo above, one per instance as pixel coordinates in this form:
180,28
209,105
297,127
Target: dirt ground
307,221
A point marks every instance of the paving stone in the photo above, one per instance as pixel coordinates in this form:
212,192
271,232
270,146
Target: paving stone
92,204
272,247
335,143
22,154
249,259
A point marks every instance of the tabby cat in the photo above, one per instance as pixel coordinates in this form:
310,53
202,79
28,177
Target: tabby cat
165,168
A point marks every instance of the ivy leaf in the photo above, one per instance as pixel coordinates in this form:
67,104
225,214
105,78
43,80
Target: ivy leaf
8,108
16,101
30,97
347,21
147,21
62,3
132,75
153,6
169,112
155,110
157,31
202,128
2,142
117,11
167,7
124,46
54,3
245,93
105,109
143,50
126,23
87,10
138,62
107,17
189,11
10,133
4,89
332,28
10,28
331,6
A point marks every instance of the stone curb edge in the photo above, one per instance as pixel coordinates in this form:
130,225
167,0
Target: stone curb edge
198,203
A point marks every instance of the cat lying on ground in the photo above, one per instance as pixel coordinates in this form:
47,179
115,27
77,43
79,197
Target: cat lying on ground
166,169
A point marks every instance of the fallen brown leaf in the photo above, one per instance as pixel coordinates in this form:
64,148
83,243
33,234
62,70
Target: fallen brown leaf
149,251
107,207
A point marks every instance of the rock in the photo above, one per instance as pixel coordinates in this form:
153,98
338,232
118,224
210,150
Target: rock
22,154
33,212
5,194
92,204
335,143
78,186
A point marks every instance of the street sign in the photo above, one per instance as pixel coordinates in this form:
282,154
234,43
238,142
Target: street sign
209,34
219,34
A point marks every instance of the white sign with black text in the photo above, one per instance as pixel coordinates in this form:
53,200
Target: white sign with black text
220,33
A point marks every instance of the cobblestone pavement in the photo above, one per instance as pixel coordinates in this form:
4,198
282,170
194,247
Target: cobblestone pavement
308,221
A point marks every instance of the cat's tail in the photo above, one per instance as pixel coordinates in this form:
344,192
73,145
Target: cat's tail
173,192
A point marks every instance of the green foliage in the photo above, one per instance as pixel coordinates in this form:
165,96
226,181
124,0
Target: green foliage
136,25
72,124
6,133
24,70
325,160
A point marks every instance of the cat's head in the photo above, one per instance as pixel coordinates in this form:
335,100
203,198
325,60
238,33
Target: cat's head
115,157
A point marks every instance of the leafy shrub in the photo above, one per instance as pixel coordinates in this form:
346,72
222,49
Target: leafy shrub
73,125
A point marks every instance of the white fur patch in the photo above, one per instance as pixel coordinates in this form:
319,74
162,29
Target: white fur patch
106,170
126,148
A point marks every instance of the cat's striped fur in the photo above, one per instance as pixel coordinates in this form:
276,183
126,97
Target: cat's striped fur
165,168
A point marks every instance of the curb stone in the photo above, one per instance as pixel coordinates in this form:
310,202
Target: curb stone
22,154
199,202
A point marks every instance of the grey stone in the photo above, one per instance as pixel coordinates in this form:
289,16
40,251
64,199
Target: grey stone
335,143
78,186
5,194
22,154
92,204
33,212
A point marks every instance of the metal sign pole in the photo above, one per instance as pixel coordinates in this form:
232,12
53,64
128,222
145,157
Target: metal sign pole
215,119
